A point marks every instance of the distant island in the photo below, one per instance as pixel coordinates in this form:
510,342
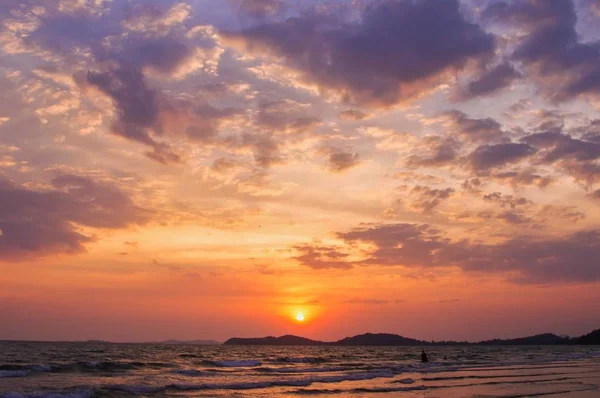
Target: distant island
386,339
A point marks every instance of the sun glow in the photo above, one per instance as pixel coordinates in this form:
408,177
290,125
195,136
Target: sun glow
300,317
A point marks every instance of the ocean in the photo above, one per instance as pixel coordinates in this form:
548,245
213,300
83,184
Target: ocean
73,370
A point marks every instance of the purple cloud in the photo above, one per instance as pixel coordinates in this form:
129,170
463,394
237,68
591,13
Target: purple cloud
35,222
570,258
491,81
549,46
397,51
488,157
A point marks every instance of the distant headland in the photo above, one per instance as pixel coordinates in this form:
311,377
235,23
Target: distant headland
386,339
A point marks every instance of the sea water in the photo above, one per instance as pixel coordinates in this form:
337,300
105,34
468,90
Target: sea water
32,369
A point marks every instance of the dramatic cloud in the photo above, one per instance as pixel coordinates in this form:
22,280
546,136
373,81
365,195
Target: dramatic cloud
137,108
525,259
474,130
396,52
559,146
549,46
119,52
488,157
35,222
428,198
491,81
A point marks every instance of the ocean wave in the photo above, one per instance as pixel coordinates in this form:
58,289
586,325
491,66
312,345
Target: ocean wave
301,359
234,364
141,389
191,372
13,373
189,356
305,370
13,370
44,394
502,376
365,390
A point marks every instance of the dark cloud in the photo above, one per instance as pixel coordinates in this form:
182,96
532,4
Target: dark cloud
137,108
36,222
475,130
560,146
143,113
493,80
585,173
488,157
506,200
396,51
428,198
576,157
321,257
444,152
549,46
526,259
261,9
124,45
523,178
339,161
163,54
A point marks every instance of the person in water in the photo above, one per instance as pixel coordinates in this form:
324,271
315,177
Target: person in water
424,357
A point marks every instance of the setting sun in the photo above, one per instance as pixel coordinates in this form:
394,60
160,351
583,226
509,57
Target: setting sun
300,317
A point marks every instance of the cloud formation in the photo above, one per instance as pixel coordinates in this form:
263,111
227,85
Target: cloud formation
36,222
339,161
549,46
394,53
525,259
489,82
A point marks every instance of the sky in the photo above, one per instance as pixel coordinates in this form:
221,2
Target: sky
203,169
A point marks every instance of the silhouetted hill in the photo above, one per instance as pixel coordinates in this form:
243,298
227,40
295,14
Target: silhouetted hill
379,339
270,340
386,339
592,338
540,339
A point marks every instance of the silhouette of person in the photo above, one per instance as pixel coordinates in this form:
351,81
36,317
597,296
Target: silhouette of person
424,357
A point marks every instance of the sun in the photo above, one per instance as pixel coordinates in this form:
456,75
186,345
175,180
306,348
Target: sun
300,317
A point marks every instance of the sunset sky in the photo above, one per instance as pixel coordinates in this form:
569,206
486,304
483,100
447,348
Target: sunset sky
202,169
